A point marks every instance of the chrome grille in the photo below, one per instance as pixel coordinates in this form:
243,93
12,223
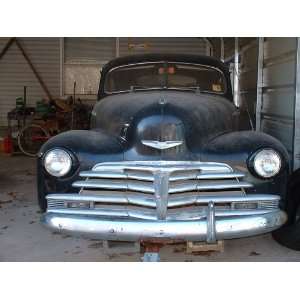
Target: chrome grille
55,203
161,190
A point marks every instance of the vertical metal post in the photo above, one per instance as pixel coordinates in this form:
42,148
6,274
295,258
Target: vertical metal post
117,47
296,145
61,65
208,50
222,54
259,92
209,47
236,72
24,105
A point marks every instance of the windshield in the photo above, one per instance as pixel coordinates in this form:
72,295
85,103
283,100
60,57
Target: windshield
165,75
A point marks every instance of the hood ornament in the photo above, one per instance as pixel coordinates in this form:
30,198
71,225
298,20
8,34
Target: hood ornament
161,145
162,101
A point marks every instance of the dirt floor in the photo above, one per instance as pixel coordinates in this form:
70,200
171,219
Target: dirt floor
22,238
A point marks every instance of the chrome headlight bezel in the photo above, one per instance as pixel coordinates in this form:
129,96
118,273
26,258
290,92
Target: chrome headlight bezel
261,155
65,158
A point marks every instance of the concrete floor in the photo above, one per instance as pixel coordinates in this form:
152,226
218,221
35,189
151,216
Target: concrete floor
22,238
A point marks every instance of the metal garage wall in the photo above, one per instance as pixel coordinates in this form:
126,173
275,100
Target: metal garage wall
156,44
15,72
276,88
84,58
89,50
248,80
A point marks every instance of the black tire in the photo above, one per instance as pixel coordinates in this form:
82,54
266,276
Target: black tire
289,234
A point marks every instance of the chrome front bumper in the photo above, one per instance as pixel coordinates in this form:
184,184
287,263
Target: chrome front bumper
163,200
208,229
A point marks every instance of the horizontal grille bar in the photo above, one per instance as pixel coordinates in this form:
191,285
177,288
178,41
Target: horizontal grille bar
151,215
221,175
174,201
146,187
189,200
139,186
196,186
112,198
55,203
147,176
170,166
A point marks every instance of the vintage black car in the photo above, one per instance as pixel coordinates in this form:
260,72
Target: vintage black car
164,159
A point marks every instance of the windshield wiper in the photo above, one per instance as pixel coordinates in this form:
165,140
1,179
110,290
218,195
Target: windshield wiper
197,89
138,87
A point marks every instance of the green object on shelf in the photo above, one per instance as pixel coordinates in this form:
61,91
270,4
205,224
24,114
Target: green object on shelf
19,103
42,107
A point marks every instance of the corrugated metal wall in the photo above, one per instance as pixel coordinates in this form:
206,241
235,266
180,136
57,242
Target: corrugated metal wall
83,59
248,81
15,72
89,50
276,89
155,44
85,56
101,50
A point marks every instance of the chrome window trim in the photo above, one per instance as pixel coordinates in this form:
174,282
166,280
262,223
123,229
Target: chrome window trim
167,88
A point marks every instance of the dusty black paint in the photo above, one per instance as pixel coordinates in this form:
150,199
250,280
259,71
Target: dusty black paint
205,122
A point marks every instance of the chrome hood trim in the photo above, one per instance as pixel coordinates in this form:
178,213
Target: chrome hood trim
161,145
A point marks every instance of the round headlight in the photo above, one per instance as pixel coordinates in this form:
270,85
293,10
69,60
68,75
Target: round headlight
58,162
267,163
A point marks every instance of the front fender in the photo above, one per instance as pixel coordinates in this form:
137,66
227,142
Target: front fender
87,147
236,148
240,145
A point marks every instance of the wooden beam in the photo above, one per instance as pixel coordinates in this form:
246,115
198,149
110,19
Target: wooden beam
6,47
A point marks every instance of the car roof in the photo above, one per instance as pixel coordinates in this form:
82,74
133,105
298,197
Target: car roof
153,57
156,57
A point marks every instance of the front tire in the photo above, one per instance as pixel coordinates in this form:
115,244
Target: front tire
289,234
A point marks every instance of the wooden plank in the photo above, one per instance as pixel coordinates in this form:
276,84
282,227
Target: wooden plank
194,247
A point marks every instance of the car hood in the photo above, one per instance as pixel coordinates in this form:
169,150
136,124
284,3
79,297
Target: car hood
164,116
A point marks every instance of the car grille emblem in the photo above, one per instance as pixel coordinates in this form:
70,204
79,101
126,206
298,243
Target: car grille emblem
161,145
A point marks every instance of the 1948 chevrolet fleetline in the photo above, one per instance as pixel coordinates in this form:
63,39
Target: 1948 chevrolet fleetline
164,159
